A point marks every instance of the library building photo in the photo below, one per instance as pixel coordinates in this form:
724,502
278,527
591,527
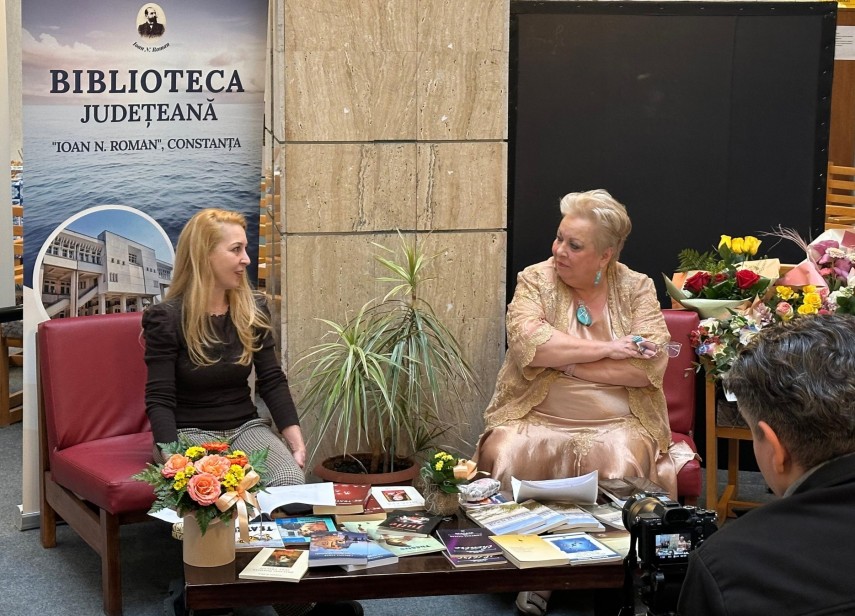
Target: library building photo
409,307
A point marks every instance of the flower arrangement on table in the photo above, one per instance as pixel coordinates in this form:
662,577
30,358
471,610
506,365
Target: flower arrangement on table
823,283
210,481
720,279
447,472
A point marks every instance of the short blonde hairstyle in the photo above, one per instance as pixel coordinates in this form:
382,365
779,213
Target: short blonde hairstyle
193,279
607,213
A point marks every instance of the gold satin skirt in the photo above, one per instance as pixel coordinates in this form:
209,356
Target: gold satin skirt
578,428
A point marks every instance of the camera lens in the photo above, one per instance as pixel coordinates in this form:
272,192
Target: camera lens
638,504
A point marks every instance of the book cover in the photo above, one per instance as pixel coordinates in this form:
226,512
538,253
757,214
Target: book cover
280,564
467,541
527,551
400,545
549,519
338,548
575,518
377,556
496,499
263,533
581,548
298,530
403,498
610,514
409,523
620,489
341,518
475,560
510,518
372,506
349,499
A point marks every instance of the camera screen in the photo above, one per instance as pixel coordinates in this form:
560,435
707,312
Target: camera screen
673,546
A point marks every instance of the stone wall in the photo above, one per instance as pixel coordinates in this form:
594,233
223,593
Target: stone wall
392,114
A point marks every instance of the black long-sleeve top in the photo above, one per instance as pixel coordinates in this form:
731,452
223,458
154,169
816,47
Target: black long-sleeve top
181,394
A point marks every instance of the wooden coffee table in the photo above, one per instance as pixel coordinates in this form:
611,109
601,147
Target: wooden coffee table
412,576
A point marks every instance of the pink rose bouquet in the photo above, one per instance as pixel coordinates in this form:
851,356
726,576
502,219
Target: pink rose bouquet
209,480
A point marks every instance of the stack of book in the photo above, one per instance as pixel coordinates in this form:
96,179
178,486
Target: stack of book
470,547
351,551
267,532
399,545
527,551
575,518
350,499
509,518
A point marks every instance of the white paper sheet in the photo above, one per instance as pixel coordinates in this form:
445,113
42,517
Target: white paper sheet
570,489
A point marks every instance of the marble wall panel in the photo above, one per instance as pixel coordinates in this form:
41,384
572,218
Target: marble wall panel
359,25
463,25
462,185
462,95
346,187
350,96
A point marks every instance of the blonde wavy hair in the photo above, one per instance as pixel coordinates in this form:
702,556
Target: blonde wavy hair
607,213
192,281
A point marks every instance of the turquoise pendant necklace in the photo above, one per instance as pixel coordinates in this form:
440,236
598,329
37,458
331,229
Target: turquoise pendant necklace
583,315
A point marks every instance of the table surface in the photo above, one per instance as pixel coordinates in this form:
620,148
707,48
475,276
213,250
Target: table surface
411,576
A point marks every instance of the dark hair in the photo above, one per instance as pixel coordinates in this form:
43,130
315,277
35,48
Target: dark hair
799,378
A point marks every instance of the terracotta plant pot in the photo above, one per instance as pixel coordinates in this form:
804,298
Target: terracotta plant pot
326,471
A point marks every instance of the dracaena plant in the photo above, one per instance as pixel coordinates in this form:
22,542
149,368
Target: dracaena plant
392,377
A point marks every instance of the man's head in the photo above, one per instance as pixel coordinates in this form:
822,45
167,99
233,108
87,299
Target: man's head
151,14
795,386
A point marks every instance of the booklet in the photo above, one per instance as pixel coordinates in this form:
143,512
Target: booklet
583,549
282,565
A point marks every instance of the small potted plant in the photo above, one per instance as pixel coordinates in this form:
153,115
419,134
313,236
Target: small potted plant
442,475
392,377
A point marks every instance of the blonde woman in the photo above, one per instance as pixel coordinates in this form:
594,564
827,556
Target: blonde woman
201,345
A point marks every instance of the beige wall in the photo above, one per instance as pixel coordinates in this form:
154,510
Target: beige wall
393,114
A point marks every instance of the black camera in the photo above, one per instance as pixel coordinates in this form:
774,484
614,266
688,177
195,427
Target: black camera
663,534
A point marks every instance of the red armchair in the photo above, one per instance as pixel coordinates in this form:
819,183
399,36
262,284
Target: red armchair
93,435
680,395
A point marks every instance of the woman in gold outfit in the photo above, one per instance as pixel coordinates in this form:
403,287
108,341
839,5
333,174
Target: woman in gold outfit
581,385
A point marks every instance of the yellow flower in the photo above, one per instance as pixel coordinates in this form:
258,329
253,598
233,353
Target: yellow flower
737,245
724,241
814,300
751,245
438,454
807,309
195,452
808,288
786,293
439,465
179,484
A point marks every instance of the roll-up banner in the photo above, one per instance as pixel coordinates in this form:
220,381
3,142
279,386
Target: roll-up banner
136,115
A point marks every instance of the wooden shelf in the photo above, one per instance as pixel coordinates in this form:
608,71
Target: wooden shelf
725,504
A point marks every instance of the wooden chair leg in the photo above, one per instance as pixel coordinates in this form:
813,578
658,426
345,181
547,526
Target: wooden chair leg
111,569
47,517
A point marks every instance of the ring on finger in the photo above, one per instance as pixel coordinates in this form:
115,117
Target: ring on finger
637,339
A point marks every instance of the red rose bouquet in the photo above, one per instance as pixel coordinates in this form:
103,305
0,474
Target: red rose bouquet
718,282
209,480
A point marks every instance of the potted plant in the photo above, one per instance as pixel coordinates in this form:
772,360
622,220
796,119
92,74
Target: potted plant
392,377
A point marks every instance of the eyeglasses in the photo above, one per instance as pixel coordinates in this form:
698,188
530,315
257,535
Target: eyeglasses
673,349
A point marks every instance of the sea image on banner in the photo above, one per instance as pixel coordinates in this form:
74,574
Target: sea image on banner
155,106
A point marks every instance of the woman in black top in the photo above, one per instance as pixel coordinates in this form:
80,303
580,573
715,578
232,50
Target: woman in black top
202,343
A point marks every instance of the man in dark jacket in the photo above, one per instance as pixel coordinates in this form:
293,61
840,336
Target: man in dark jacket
795,386
150,27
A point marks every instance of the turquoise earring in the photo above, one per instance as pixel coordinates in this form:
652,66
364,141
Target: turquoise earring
598,277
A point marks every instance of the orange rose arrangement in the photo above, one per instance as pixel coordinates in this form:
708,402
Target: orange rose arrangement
210,480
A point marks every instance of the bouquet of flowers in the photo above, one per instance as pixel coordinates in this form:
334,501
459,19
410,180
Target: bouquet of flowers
718,341
821,284
720,280
447,472
208,480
